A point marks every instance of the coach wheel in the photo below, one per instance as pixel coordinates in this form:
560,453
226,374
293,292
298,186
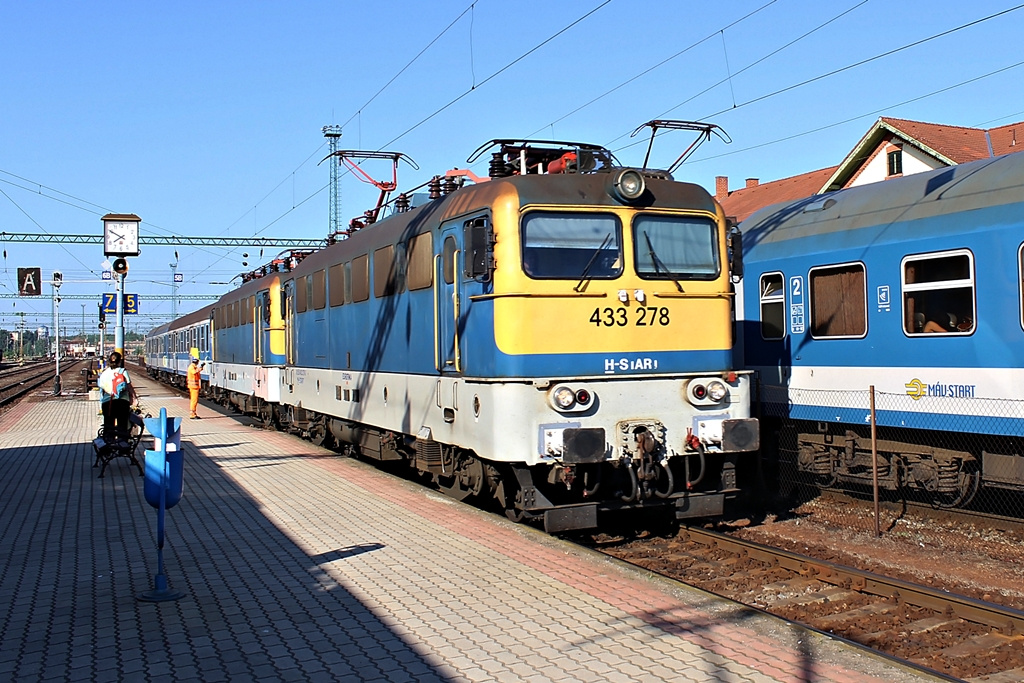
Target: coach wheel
968,483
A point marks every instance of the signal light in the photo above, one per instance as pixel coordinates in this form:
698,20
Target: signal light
121,266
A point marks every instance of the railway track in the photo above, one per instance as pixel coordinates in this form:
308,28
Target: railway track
951,634
18,382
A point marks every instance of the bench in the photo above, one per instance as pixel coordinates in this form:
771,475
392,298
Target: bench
119,445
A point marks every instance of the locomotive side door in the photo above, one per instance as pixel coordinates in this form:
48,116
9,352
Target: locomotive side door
288,313
447,356
262,325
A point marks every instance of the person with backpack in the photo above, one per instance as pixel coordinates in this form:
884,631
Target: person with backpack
116,397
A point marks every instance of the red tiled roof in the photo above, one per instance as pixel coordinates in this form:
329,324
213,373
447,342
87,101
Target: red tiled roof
745,201
1007,139
955,142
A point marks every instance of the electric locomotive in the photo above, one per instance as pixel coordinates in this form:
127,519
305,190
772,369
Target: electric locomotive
912,286
556,337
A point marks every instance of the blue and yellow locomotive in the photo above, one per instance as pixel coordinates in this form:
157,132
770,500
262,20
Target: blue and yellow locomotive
557,337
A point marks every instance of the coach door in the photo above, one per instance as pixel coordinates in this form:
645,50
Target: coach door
446,307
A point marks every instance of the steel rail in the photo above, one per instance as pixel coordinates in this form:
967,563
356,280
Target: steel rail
32,382
1006,619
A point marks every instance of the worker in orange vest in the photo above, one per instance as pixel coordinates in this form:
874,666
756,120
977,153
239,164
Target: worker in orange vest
195,383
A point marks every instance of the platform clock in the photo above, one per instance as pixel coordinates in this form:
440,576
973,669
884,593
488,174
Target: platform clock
121,235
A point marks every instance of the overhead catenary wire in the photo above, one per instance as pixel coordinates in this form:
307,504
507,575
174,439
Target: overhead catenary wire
828,74
874,112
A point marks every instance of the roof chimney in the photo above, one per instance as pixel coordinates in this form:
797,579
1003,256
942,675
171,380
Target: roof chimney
752,182
721,187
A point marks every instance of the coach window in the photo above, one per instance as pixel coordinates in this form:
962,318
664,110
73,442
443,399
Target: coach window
336,284
385,272
420,268
838,296
319,298
938,293
361,278
773,306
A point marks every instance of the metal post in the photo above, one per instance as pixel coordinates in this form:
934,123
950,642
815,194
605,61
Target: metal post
174,287
56,355
119,304
874,459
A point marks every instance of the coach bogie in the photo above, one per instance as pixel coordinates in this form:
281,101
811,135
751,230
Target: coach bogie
949,477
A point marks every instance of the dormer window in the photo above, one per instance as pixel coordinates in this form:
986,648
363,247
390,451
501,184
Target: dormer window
895,162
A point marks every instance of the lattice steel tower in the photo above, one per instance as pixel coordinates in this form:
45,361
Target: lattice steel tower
333,134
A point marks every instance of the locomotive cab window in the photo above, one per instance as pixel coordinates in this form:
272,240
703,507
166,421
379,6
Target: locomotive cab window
938,294
675,247
773,306
839,298
573,246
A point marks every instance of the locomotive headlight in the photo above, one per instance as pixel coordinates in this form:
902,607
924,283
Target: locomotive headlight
563,398
717,391
627,185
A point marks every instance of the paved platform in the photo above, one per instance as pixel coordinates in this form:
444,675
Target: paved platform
299,565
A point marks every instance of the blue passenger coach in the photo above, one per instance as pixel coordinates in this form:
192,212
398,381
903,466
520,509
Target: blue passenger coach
913,286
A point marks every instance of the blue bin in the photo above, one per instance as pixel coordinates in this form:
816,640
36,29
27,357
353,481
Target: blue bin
167,452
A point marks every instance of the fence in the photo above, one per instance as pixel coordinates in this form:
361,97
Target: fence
934,444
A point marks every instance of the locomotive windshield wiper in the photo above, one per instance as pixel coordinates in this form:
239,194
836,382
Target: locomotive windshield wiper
659,265
590,263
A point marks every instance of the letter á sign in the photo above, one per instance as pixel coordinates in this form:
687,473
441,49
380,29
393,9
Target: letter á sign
28,281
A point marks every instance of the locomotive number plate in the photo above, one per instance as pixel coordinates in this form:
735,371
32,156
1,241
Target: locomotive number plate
641,316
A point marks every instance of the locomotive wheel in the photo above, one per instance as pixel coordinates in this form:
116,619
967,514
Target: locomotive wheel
318,434
452,487
515,511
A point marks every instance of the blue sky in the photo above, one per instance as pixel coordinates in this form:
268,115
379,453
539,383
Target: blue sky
205,118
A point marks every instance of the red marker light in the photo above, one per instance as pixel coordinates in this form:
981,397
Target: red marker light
583,397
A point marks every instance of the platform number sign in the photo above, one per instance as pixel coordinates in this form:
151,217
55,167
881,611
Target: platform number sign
796,305
28,281
131,303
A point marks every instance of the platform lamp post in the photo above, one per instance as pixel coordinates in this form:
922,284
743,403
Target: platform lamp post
58,279
120,239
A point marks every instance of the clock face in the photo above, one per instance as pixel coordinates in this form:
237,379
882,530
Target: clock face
120,238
